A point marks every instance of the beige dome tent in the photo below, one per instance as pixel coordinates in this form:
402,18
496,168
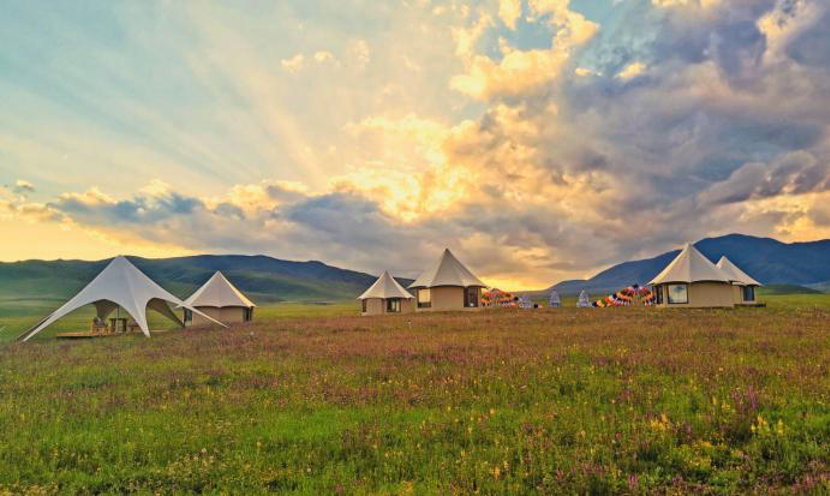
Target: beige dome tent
119,285
691,280
448,285
743,286
386,296
220,300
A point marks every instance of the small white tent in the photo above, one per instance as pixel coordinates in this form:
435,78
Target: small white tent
221,300
386,296
120,284
555,300
583,302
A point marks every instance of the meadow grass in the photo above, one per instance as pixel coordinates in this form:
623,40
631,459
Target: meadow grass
593,401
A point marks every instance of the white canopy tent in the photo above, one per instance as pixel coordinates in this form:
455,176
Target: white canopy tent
122,285
583,302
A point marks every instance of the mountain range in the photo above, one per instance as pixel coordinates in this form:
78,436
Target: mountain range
769,261
270,280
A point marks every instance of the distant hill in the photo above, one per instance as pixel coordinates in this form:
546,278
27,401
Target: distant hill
264,279
769,261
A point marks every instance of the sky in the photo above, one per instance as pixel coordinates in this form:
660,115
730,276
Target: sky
541,140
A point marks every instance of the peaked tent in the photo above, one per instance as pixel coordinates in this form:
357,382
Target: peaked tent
555,301
221,300
386,296
583,301
743,285
692,280
448,285
120,284
447,272
736,275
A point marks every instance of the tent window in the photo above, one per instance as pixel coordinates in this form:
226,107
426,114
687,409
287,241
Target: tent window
424,298
678,294
658,295
363,303
749,293
393,305
188,315
471,297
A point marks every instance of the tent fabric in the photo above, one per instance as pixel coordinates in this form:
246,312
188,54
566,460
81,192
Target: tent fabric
120,284
583,300
736,275
448,272
690,266
218,292
385,287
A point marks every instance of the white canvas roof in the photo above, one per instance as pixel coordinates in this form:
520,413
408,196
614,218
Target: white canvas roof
218,292
385,287
448,272
735,273
690,266
120,284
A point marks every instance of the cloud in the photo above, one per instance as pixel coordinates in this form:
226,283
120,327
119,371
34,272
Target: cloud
295,64
538,144
521,71
632,70
510,11
22,187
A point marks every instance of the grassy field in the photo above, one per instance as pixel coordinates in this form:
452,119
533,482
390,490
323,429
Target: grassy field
314,400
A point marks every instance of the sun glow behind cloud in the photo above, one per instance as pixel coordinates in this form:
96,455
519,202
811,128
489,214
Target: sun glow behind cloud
542,139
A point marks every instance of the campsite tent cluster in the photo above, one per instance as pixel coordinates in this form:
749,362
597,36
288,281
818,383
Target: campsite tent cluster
447,285
690,280
122,286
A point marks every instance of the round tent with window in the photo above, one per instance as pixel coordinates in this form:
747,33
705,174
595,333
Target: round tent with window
692,280
386,296
448,285
220,300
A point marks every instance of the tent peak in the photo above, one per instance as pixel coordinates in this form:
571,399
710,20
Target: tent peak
736,275
448,271
219,292
384,288
689,266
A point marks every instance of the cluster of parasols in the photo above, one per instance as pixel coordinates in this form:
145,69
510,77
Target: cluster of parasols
630,296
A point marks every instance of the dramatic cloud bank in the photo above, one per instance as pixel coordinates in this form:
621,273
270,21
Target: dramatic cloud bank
539,140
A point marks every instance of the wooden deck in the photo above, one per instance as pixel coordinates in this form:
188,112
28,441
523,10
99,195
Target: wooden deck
87,335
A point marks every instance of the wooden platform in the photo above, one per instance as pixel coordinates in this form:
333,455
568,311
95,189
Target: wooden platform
86,335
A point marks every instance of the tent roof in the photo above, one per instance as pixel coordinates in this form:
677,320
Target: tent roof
690,266
385,287
735,273
122,284
218,292
447,272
